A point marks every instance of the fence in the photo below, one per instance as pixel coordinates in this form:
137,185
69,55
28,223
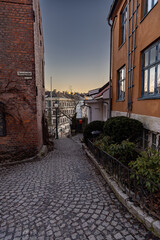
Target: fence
130,183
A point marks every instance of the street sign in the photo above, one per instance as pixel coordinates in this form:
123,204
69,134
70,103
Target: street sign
27,74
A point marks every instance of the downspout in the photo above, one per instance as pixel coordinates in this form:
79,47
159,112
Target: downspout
110,68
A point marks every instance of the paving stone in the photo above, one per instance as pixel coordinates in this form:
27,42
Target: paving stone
118,236
91,237
62,197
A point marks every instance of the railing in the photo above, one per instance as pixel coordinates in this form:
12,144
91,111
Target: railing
130,183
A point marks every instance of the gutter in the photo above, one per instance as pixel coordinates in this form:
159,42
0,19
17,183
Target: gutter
112,9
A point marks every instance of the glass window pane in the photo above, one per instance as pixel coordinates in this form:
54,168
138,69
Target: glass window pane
123,86
123,25
154,141
126,14
123,17
120,87
155,1
159,51
145,138
121,83
158,79
124,33
149,5
120,75
152,80
123,73
146,56
153,55
145,82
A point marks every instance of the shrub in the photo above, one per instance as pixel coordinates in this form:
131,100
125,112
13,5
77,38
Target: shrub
148,166
104,143
123,128
93,126
124,152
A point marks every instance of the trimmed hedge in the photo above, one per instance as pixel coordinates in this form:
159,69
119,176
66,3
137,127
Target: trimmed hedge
93,126
123,128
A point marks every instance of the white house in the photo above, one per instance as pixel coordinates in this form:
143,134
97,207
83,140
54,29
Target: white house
97,103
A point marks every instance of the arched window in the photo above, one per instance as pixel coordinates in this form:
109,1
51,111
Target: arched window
2,120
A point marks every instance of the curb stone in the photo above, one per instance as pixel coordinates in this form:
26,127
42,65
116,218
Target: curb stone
149,222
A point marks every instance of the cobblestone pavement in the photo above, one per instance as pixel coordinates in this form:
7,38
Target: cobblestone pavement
62,197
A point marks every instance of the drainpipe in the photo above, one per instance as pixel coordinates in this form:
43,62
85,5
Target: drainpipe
110,68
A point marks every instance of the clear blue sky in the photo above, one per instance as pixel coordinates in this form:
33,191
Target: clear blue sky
76,37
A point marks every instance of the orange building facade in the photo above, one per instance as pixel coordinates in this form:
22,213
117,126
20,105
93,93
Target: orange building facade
135,76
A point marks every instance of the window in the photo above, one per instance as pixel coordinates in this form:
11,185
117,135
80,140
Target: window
123,25
149,4
121,83
151,71
154,141
49,103
146,133
159,144
2,121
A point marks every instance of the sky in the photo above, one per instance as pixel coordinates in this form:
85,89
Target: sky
77,43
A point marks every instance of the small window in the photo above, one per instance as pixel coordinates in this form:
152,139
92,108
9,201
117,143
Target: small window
2,121
123,25
154,141
121,83
151,72
49,103
159,144
149,4
146,133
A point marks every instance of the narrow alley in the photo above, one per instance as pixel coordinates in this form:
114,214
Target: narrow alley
62,197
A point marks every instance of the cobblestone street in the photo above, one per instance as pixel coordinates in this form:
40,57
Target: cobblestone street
62,197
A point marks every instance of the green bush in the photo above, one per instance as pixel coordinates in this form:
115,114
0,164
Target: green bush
124,152
123,128
93,126
148,166
103,143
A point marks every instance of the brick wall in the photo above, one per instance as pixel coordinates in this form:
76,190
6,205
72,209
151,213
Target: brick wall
17,91
39,68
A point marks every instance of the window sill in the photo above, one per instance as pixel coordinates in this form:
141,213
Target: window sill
120,100
122,45
147,13
149,98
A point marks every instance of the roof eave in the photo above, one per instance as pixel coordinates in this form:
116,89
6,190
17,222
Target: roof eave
112,9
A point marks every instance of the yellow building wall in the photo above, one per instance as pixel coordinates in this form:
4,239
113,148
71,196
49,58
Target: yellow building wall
147,33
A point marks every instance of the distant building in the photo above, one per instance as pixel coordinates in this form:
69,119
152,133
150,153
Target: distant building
97,103
81,110
136,64
65,112
21,79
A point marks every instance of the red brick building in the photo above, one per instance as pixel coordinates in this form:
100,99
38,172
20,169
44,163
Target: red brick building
21,78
